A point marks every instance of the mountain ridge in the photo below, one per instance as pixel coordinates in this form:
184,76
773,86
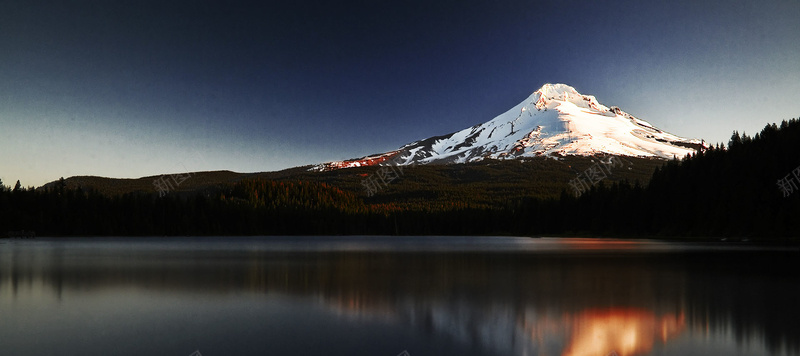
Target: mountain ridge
554,121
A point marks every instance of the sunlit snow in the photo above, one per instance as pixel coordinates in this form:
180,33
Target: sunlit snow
555,120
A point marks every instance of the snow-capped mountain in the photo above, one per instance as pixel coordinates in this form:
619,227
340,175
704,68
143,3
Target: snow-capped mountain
555,120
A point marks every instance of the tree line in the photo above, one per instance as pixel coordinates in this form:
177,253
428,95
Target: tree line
725,192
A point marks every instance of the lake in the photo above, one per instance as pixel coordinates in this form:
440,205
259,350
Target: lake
383,296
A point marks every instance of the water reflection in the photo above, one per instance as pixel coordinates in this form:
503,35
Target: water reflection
568,303
624,331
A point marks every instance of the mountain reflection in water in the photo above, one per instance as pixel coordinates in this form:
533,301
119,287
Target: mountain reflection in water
571,302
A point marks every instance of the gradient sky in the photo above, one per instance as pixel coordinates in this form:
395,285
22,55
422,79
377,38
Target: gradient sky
136,88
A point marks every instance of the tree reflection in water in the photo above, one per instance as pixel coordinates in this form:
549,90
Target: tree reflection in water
565,303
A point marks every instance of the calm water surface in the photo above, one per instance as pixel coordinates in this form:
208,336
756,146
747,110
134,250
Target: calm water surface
380,296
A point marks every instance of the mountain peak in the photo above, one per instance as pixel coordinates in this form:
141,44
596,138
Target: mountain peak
564,93
555,120
556,90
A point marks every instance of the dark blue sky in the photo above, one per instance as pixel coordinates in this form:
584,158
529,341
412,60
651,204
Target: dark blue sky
135,88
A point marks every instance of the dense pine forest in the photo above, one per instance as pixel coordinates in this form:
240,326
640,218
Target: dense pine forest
747,190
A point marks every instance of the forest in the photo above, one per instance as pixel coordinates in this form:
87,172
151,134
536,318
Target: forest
747,190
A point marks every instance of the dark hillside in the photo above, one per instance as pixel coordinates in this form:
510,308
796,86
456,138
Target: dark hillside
747,190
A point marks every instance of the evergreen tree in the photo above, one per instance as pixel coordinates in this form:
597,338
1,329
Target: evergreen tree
736,140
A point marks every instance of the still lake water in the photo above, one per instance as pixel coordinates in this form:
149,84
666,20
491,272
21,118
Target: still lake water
380,296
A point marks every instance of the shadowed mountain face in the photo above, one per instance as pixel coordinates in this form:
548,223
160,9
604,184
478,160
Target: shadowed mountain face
556,120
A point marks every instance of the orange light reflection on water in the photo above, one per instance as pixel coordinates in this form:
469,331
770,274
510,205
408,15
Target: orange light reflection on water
600,244
625,331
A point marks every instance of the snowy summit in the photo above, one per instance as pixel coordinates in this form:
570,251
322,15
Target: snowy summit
555,120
